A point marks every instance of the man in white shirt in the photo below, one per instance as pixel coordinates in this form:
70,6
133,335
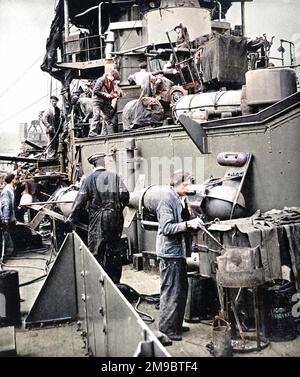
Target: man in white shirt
144,79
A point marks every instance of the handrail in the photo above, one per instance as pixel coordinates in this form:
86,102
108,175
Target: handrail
84,47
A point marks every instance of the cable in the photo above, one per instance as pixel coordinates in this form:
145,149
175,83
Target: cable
22,266
151,299
51,141
45,269
132,295
27,258
147,317
33,281
128,35
19,77
36,251
26,108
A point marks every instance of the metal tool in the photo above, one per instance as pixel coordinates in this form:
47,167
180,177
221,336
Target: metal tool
241,185
210,235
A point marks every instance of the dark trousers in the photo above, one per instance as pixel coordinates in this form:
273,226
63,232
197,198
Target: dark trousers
105,230
8,246
52,146
20,213
109,258
173,294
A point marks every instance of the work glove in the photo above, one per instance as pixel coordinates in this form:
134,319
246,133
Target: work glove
194,223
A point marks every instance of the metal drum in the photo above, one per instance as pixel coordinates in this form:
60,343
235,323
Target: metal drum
158,21
267,86
202,106
67,195
219,201
280,324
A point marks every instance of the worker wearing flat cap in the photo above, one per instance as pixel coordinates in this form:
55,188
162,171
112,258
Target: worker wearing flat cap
183,38
173,246
104,102
104,195
52,119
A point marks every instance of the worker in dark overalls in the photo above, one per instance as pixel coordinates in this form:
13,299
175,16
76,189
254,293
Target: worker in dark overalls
173,246
104,195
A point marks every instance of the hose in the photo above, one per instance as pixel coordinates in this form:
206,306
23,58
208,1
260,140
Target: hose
49,261
22,266
147,317
132,295
33,281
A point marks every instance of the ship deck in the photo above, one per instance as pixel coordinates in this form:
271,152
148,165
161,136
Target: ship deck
63,340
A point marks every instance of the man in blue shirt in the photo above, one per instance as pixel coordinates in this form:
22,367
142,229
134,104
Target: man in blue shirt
173,246
8,216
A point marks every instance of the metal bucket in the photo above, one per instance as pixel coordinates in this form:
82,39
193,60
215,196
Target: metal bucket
221,338
280,324
202,301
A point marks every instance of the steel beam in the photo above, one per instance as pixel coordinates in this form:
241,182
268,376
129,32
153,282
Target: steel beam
195,131
38,161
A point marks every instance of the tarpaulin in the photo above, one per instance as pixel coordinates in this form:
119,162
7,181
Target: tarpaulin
224,59
142,113
276,232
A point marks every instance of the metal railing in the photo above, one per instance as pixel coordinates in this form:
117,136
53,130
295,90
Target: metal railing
84,48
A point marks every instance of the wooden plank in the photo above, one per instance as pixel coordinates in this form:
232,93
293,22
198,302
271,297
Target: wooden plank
33,145
35,222
48,212
41,162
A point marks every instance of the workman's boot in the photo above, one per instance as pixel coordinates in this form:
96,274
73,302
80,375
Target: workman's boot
175,337
185,328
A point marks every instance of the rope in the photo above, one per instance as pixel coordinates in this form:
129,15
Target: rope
21,76
25,108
